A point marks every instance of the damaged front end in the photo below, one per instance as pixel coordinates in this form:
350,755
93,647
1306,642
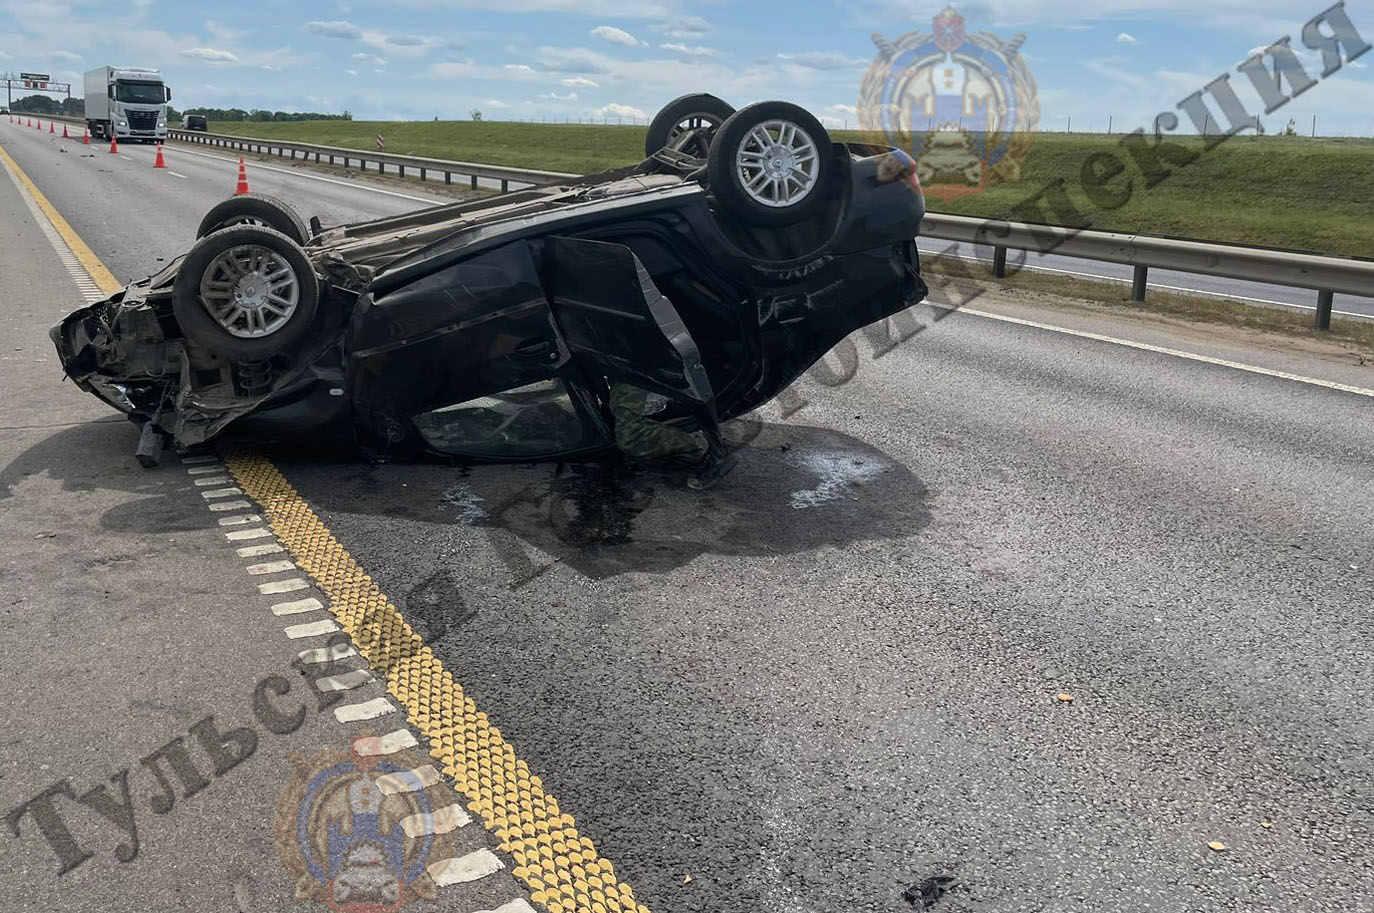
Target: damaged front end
129,351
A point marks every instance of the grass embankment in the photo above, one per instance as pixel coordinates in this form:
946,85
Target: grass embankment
1293,192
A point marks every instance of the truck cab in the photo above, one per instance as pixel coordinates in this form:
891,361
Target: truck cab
128,103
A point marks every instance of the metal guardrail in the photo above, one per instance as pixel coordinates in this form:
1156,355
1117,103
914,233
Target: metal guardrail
335,155
1326,275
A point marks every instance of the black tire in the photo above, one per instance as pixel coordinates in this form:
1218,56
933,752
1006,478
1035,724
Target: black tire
728,183
711,111
255,209
202,328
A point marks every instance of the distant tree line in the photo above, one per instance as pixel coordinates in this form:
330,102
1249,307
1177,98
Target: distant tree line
76,107
261,115
44,104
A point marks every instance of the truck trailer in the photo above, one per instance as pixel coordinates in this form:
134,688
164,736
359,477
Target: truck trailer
127,102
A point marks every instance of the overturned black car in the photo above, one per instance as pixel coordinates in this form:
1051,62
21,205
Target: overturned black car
634,309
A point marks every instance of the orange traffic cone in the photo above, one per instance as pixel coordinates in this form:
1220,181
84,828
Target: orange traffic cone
243,179
40,124
50,127
65,134
85,136
158,162
114,145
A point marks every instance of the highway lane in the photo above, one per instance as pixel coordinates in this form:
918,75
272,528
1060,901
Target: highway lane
135,610
836,674
142,216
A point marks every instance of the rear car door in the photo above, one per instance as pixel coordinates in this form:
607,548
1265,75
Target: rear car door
507,355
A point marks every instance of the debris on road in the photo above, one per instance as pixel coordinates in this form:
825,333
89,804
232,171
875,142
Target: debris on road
1064,697
1217,846
925,893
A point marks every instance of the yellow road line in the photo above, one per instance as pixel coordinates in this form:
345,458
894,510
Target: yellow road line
561,867
99,274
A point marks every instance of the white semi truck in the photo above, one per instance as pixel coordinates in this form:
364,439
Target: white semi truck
127,102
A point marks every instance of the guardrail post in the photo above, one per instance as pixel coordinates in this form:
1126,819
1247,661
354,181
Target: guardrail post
400,170
999,262
505,185
1323,321
474,182
1138,283
422,175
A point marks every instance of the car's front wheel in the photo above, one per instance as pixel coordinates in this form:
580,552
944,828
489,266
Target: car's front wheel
771,164
245,293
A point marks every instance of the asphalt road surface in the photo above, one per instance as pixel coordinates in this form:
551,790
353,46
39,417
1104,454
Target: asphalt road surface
1040,613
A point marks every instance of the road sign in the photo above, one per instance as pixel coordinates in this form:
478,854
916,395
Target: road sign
381,143
37,77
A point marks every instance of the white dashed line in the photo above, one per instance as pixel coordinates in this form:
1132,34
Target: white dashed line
390,743
312,629
239,535
196,459
345,682
297,607
367,710
228,505
519,905
216,480
257,551
222,493
471,867
239,521
271,567
440,821
204,470
282,586
330,654
405,781
176,175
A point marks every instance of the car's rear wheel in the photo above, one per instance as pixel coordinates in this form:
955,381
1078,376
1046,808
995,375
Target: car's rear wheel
245,293
255,209
701,112
771,164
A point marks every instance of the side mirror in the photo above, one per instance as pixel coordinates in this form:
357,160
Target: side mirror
110,91
169,93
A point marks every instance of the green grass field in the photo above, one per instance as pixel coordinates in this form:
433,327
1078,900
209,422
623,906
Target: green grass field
1293,192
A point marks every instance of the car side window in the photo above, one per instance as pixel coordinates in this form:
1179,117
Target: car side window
534,420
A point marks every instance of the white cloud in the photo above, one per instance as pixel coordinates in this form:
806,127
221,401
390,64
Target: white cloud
334,28
845,109
615,36
824,60
215,55
351,72
571,96
1126,38
615,109
371,59
520,67
495,103
684,27
581,82
221,32
678,47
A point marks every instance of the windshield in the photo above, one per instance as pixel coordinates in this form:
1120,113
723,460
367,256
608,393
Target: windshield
140,93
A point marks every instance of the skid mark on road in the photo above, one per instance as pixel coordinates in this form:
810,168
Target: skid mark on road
562,868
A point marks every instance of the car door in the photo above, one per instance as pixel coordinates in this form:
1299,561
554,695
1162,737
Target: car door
503,355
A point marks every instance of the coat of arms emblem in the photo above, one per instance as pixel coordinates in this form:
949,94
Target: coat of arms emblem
963,105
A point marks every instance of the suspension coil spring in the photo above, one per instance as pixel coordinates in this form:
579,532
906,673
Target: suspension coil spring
255,377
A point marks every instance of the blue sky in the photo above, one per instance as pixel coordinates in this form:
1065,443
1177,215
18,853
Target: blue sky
519,59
